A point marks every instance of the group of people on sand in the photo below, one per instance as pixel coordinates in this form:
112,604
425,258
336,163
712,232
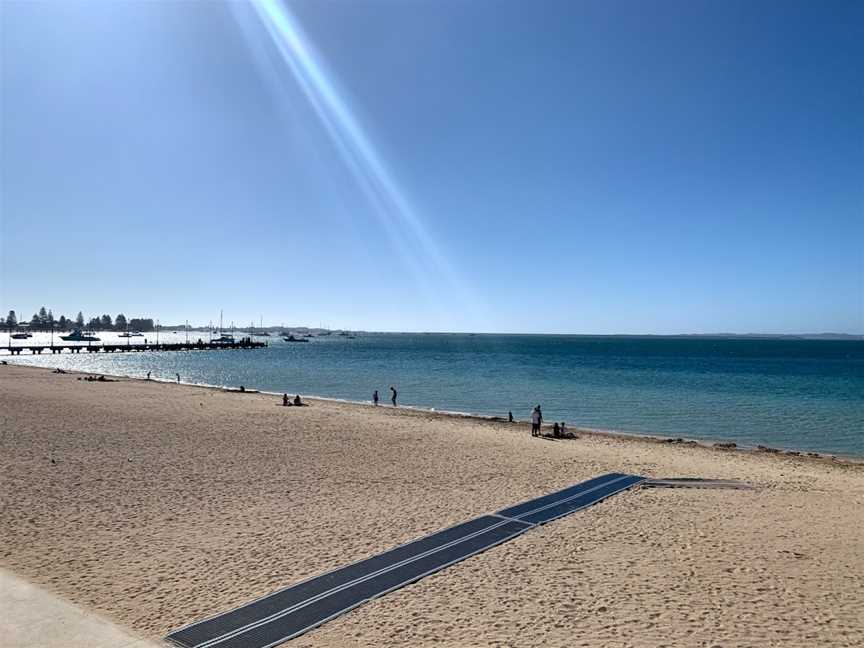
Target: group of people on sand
286,402
393,395
559,430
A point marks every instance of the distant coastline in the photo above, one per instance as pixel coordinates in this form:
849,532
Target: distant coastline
715,336
718,336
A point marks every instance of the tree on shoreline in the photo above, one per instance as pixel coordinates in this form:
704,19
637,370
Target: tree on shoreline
43,319
141,324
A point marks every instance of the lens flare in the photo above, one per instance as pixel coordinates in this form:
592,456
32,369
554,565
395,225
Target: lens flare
408,234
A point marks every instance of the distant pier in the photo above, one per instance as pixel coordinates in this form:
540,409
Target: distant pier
37,349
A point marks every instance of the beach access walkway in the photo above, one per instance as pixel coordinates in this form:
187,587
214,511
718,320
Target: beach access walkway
34,618
288,613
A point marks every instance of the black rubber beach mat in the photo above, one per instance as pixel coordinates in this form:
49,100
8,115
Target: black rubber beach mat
292,611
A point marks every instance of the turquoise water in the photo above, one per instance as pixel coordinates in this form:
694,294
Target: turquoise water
806,395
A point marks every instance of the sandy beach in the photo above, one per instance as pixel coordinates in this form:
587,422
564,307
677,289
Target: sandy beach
157,504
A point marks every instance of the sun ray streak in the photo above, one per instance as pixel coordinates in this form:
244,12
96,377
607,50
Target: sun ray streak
411,239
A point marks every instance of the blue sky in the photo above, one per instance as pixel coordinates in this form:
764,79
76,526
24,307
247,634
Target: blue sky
584,167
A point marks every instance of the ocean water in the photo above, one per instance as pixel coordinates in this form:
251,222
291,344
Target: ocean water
798,394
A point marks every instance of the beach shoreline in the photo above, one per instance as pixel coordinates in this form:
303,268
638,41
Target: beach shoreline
156,507
712,444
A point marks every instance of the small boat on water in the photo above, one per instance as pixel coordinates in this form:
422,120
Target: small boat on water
291,338
21,336
132,334
223,337
78,336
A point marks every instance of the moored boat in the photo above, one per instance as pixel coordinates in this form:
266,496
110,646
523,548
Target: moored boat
78,336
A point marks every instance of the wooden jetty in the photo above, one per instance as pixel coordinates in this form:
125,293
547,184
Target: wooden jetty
37,349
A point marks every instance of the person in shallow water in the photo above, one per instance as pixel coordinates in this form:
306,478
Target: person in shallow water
393,395
375,397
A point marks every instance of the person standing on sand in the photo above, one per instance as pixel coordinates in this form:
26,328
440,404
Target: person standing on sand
393,395
178,377
536,420
148,375
375,397
510,417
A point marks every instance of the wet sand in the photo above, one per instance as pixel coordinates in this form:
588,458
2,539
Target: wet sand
157,504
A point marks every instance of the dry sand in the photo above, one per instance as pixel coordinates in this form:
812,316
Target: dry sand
166,503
